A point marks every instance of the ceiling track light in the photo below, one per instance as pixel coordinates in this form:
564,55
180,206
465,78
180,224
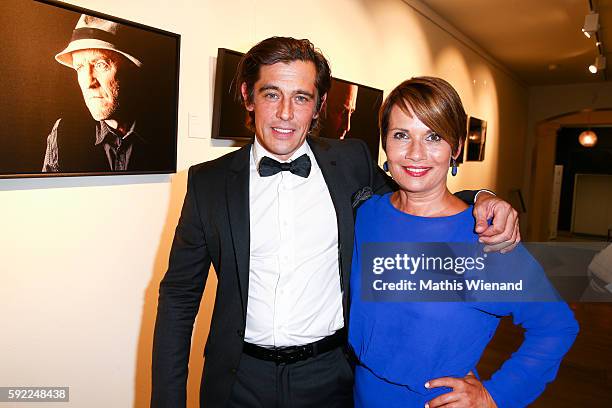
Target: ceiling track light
599,64
591,24
591,29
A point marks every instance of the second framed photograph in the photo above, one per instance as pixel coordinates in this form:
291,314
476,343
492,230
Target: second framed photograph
352,112
477,136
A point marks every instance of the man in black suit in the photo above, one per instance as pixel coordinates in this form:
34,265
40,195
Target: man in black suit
275,219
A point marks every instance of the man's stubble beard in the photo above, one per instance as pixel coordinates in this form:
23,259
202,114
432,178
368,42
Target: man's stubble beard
108,111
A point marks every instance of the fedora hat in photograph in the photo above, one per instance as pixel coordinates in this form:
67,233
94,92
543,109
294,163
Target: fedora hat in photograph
96,33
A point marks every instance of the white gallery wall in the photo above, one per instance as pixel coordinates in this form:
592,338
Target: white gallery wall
81,258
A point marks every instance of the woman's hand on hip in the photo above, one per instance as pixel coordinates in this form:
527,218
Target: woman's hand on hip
468,392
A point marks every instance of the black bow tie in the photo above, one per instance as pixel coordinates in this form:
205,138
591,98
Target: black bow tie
299,167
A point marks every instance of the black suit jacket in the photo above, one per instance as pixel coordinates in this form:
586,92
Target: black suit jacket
214,227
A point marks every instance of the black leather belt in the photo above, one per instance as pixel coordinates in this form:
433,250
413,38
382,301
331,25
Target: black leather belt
292,354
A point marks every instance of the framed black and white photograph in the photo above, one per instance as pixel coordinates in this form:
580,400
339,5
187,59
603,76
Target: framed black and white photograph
229,115
350,111
84,93
476,138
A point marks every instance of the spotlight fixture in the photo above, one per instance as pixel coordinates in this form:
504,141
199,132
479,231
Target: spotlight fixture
591,24
600,63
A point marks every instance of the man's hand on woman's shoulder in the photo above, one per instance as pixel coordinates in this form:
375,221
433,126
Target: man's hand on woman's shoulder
503,234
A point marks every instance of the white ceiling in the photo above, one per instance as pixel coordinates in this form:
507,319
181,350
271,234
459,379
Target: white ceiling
539,40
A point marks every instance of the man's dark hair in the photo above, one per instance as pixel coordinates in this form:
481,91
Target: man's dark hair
281,49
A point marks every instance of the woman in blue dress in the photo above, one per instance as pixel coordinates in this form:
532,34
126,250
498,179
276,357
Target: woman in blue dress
415,354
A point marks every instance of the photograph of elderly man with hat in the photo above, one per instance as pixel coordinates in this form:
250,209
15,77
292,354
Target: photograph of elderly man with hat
108,71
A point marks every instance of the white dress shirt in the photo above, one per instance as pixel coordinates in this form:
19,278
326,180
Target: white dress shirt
294,279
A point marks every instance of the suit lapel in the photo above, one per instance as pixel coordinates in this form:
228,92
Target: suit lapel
328,162
237,194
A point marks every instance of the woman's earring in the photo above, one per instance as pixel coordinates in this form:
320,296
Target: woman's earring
454,167
386,166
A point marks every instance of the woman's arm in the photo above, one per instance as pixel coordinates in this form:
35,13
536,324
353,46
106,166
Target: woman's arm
550,331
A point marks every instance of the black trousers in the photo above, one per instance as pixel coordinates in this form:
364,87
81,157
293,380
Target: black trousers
322,381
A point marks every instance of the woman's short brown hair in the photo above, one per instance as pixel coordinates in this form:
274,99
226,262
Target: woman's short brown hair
435,103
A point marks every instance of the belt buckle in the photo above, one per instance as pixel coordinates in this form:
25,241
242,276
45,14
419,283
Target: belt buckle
277,355
291,354
283,355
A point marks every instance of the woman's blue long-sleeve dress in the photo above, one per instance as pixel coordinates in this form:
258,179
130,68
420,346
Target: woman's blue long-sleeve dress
402,345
